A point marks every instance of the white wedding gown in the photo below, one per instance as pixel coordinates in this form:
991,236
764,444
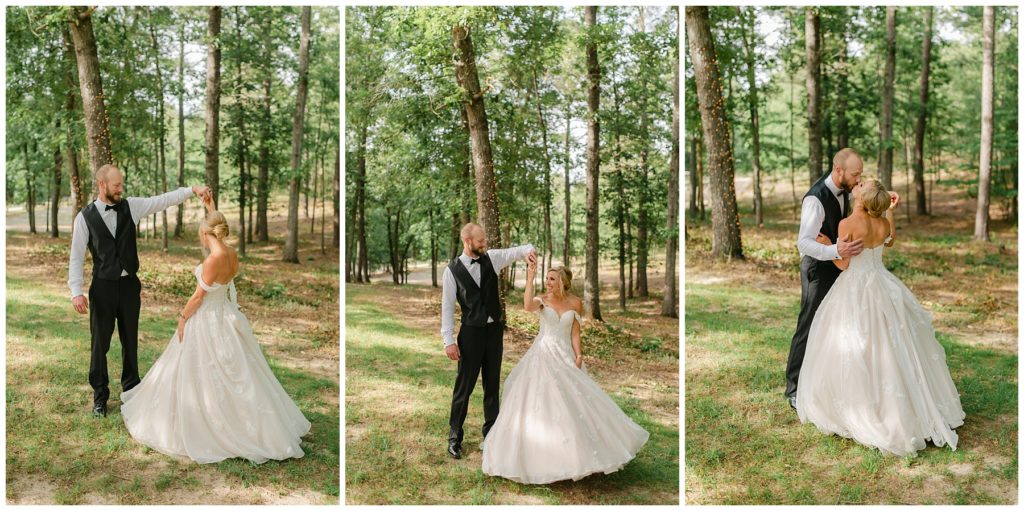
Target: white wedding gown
212,396
873,370
555,422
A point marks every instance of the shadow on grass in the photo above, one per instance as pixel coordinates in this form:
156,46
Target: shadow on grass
397,405
53,440
745,446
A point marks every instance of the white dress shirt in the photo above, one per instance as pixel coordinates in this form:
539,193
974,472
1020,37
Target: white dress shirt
812,216
140,208
500,258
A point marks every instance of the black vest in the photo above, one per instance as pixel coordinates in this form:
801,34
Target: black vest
477,302
111,254
830,225
829,200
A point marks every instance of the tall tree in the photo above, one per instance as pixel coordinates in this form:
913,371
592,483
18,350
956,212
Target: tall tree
77,191
243,139
473,100
885,162
724,212
263,181
592,284
668,303
291,244
985,165
161,125
812,38
748,34
212,147
922,115
567,187
181,123
96,121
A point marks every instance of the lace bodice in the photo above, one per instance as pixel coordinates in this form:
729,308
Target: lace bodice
216,293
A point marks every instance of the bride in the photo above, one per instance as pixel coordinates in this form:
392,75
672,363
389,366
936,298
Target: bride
555,422
873,370
211,395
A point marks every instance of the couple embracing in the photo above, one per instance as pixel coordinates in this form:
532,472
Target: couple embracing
555,423
864,362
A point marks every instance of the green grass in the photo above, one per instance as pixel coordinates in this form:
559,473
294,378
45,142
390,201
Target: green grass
53,439
745,446
398,395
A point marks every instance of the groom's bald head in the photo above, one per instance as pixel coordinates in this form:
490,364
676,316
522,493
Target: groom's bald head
474,239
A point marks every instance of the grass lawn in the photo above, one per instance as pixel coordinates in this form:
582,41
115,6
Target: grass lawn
57,453
398,396
744,445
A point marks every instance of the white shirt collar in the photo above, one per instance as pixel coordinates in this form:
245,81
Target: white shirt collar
831,184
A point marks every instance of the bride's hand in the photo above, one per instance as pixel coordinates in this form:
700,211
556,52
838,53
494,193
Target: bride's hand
181,328
531,267
579,361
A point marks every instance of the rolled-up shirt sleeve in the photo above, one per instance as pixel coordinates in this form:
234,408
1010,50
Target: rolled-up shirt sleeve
812,216
79,242
448,307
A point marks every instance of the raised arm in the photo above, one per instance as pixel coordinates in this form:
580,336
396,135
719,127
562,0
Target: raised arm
892,227
529,303
142,207
502,257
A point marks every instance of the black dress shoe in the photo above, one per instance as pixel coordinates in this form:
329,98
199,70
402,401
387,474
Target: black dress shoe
454,450
99,411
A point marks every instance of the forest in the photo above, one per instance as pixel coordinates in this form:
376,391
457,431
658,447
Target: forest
545,125
173,96
541,125
904,87
928,97
242,99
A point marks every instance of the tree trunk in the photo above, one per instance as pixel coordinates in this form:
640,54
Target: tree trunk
486,190
212,147
922,116
620,193
668,302
336,236
985,165
291,244
841,88
161,154
548,244
885,163
724,212
181,125
813,84
748,43
360,198
30,192
792,159
58,167
77,193
263,182
567,218
691,169
96,121
243,140
592,286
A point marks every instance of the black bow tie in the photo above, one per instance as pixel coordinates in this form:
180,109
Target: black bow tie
843,193
474,261
115,207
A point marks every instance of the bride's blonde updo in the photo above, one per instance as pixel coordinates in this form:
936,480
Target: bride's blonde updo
215,224
874,197
564,276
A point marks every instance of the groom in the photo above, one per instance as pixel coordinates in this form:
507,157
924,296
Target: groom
472,279
107,228
824,205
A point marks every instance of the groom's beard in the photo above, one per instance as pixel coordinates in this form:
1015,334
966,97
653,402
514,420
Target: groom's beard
478,252
112,199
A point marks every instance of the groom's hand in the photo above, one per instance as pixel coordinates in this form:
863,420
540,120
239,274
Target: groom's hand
894,200
201,191
848,249
81,304
452,350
